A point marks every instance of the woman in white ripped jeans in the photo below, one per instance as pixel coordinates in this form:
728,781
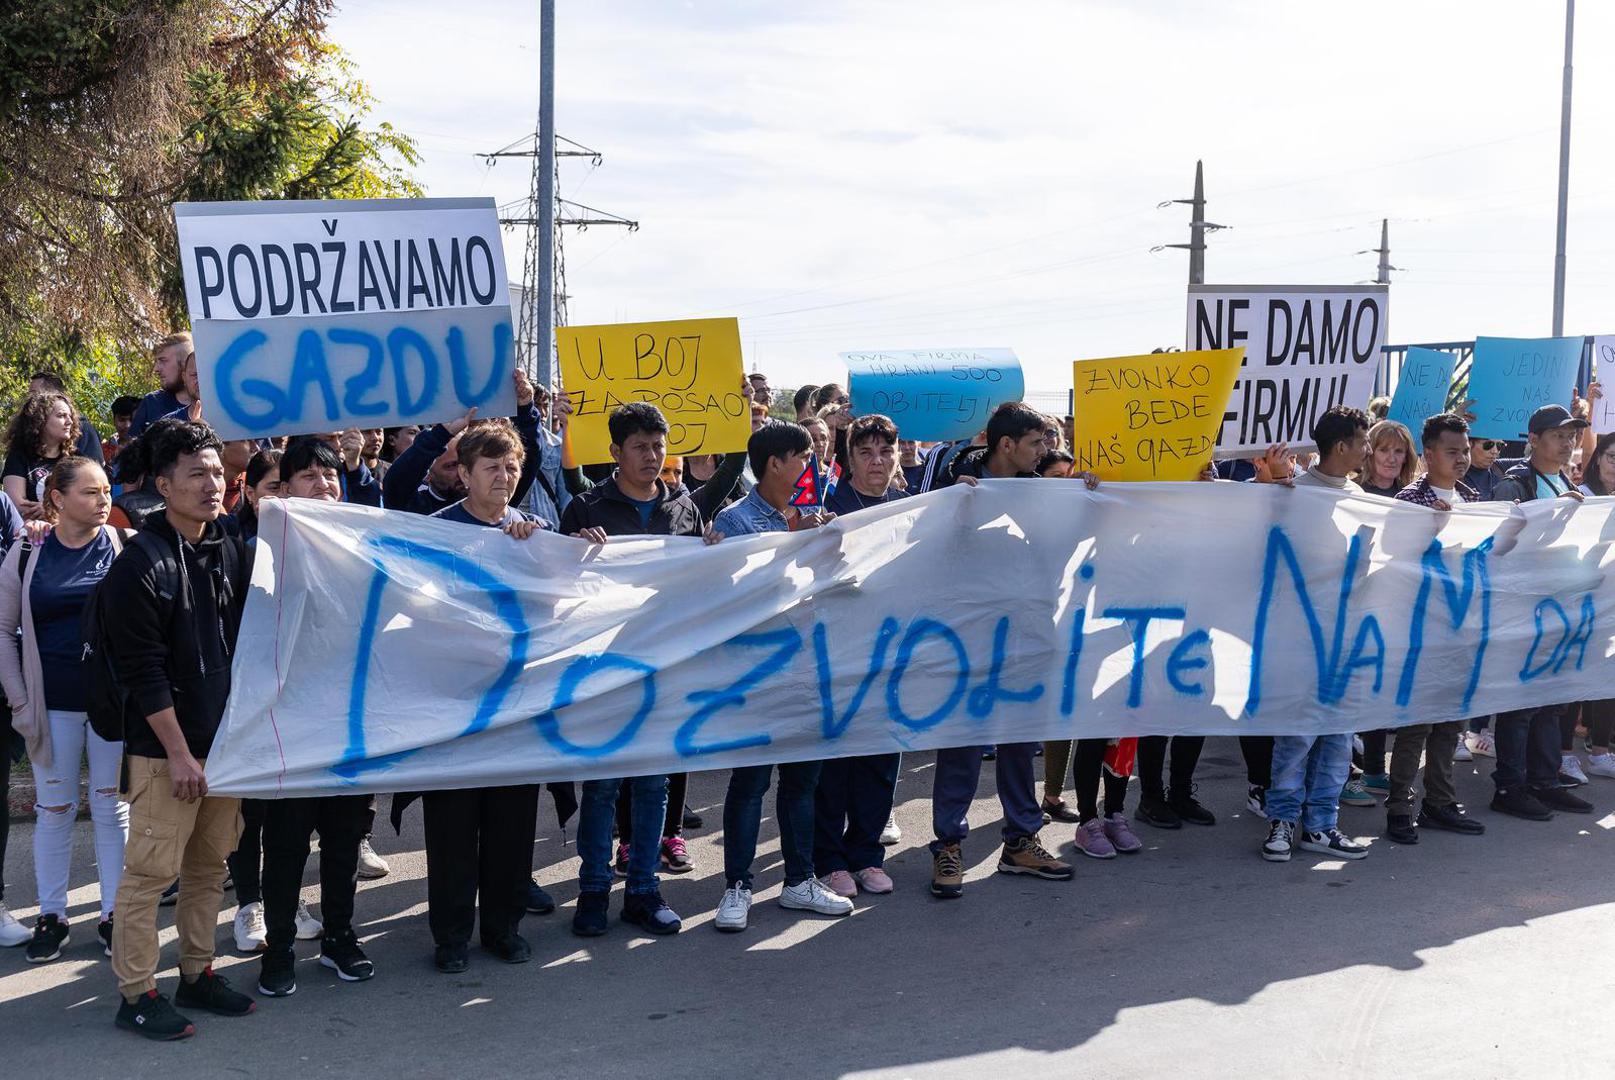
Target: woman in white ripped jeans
43,588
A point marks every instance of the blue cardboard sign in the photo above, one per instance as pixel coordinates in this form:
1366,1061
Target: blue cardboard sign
1510,378
933,394
1421,388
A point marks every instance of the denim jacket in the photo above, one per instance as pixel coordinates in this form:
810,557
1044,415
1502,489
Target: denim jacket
750,515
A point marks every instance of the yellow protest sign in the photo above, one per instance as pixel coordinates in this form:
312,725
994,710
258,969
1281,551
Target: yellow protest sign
1151,417
689,368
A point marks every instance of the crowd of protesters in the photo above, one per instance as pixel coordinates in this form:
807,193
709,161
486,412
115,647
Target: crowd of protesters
127,566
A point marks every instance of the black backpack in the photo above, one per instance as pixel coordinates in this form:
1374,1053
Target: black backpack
105,697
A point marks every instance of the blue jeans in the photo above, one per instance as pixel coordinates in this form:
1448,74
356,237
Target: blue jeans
1309,772
854,800
597,812
958,770
1527,742
743,817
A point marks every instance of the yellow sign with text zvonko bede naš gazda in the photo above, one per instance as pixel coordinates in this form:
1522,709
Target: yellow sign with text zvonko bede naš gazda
1152,417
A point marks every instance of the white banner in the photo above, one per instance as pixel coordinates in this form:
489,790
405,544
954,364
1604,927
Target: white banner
1604,368
313,316
1307,348
386,652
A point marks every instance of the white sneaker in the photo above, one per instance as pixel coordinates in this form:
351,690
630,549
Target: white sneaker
308,927
1480,743
1570,765
371,865
811,895
1461,752
733,909
251,935
891,834
1601,764
12,932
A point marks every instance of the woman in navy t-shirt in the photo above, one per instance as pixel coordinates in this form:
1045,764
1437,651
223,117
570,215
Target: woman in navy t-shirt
43,589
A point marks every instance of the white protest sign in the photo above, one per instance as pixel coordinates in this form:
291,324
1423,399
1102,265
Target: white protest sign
1307,348
413,653
933,394
321,315
1603,415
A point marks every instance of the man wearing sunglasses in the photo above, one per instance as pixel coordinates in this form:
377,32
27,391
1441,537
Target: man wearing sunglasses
1484,472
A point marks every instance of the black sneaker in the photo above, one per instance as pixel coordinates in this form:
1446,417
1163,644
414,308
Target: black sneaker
170,895
1188,808
1256,800
1280,840
650,912
152,1016
539,902
692,820
591,920
1331,842
451,959
212,992
50,934
510,947
1399,829
1521,804
342,954
104,932
1156,812
1449,819
277,976
1561,799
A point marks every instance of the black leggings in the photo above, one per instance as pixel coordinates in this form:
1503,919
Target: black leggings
246,861
1599,716
5,791
1152,760
678,786
1087,766
1374,752
1258,753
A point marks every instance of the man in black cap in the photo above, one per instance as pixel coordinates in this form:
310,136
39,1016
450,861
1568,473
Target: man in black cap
1527,776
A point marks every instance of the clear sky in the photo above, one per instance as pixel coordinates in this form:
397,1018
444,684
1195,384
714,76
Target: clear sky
906,175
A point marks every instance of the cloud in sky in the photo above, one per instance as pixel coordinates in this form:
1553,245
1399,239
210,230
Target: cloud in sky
855,175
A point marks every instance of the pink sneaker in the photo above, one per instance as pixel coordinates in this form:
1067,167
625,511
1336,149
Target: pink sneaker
1120,835
840,882
872,879
675,859
1092,841
621,865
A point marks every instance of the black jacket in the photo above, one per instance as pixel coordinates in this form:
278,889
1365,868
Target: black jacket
175,652
969,463
1519,484
403,487
606,507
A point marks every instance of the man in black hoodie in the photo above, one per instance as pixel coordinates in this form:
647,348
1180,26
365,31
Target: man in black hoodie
1527,740
633,502
178,604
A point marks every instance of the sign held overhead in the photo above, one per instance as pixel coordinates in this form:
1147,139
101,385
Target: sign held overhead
933,394
1307,348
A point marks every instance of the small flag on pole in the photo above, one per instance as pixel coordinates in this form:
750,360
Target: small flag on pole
807,495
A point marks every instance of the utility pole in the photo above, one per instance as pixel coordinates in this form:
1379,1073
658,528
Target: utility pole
1383,277
1564,180
544,328
1198,227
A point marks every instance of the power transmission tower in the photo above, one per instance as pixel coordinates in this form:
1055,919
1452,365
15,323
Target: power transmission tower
1198,227
1383,277
535,324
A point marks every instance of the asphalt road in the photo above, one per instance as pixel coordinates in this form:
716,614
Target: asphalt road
1461,957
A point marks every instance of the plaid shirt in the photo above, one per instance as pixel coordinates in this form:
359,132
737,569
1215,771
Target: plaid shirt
1421,493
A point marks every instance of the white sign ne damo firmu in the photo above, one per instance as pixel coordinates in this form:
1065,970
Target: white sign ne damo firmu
1307,348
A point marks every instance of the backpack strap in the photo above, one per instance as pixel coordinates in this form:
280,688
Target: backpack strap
163,561
22,561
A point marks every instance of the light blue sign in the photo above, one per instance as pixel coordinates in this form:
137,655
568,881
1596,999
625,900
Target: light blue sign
1421,389
933,394
1511,378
